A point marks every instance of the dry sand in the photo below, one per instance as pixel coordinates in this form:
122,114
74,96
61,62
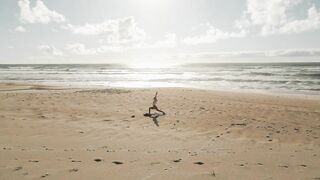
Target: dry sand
59,133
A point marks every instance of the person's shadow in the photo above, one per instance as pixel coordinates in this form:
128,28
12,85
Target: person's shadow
154,117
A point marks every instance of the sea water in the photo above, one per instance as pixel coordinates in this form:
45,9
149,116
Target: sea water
280,77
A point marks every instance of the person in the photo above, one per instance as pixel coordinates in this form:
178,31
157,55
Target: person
154,104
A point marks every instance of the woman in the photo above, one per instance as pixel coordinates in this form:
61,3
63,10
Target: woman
154,104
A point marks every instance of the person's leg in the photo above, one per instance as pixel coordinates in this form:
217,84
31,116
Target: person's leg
160,110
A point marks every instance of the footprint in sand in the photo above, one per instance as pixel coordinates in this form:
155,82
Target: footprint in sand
212,173
193,153
198,163
17,168
76,161
107,120
35,161
73,170
284,166
97,159
45,175
117,162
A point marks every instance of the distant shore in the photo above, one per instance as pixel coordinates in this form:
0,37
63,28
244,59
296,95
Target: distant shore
57,132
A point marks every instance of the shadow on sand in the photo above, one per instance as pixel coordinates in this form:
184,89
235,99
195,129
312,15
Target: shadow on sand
154,117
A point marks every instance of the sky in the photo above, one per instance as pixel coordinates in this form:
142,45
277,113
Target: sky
158,31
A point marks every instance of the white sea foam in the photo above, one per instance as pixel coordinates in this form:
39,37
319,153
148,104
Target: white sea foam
286,77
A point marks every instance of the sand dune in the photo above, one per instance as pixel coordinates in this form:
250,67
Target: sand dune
80,133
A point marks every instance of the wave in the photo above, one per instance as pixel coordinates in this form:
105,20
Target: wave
262,74
297,77
312,75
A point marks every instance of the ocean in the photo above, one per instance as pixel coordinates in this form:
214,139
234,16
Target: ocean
300,78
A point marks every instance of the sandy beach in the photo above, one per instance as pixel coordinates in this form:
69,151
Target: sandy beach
79,133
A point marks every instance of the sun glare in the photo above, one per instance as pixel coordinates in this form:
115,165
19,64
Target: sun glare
153,65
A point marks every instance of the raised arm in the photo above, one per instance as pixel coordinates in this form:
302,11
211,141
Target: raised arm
156,95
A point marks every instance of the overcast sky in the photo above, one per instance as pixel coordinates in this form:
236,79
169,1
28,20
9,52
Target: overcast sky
165,31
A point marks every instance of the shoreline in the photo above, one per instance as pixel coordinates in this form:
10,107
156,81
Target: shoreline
48,86
282,79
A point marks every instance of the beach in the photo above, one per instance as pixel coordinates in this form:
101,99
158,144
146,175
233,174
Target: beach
63,132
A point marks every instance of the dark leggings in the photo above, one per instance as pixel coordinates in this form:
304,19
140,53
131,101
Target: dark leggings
156,108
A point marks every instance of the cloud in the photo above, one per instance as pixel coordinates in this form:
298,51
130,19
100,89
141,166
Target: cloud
272,17
295,53
312,22
211,35
123,30
169,41
20,29
38,14
50,50
263,18
253,54
81,49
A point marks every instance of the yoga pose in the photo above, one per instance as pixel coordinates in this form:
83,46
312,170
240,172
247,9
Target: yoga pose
154,104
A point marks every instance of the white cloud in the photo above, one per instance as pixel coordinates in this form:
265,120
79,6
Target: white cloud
169,41
81,49
123,30
272,17
269,14
295,53
263,18
253,54
38,14
20,29
212,35
312,22
50,50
